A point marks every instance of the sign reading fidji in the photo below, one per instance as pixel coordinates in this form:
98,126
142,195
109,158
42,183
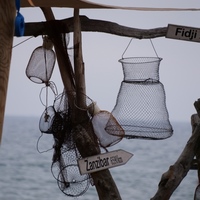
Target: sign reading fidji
183,33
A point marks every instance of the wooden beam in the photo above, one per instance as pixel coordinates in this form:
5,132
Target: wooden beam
7,17
92,25
83,132
61,3
85,4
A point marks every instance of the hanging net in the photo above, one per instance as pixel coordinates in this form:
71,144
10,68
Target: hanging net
99,122
41,63
57,120
141,102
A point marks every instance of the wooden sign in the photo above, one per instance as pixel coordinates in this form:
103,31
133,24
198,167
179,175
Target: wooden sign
103,161
183,33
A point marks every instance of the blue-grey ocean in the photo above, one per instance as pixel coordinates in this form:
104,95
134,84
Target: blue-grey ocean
25,174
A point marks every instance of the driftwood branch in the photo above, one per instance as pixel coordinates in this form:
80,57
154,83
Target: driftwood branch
105,185
91,25
83,134
195,121
171,179
83,137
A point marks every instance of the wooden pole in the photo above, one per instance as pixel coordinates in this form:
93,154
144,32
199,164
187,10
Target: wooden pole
83,134
171,179
7,17
79,71
64,63
195,119
78,60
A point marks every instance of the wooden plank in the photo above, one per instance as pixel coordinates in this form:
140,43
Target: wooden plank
7,17
61,3
85,4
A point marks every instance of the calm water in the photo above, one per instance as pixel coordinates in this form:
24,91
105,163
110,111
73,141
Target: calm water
25,174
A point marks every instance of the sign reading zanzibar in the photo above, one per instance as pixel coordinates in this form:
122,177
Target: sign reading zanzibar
183,33
103,161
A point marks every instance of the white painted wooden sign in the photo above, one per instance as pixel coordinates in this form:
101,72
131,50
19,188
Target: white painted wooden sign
183,33
103,161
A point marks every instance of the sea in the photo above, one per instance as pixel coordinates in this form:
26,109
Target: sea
25,174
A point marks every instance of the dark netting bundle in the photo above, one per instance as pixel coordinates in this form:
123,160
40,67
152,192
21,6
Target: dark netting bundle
41,63
57,120
141,102
55,117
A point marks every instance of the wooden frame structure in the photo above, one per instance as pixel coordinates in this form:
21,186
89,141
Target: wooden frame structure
103,179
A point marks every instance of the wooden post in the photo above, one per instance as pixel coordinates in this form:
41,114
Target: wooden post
64,63
78,61
7,17
171,179
195,121
83,133
87,146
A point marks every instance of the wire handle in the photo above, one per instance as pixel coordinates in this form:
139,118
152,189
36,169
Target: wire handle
130,43
127,47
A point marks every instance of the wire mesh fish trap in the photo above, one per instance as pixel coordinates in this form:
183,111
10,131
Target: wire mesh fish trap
65,170
99,122
41,63
141,102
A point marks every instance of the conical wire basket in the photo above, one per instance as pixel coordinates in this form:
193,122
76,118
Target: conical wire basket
141,102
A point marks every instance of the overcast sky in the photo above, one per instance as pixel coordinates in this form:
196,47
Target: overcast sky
179,69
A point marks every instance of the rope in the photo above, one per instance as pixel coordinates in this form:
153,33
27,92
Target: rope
37,146
22,42
154,48
127,47
130,43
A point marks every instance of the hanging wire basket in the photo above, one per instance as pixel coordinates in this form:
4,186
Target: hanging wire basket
141,102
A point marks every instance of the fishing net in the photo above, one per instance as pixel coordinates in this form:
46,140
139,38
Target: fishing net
99,122
57,120
41,63
141,102
71,182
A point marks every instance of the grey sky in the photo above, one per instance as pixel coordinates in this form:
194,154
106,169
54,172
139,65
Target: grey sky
179,69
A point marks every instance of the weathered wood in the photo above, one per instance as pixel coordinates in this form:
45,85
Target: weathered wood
7,17
84,135
171,179
86,145
79,69
103,181
92,25
64,63
195,120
